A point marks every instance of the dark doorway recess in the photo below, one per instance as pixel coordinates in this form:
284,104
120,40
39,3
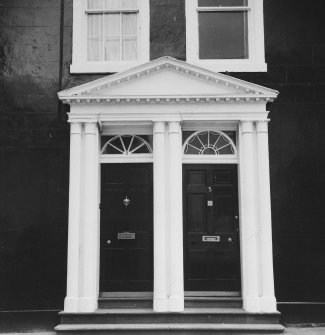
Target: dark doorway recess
126,258
211,238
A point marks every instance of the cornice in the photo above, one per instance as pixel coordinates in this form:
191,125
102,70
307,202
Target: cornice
166,99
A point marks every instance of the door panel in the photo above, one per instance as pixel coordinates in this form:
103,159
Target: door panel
126,228
211,243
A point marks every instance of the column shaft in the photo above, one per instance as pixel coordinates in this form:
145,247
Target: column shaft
160,303
175,218
73,263
249,205
90,219
268,302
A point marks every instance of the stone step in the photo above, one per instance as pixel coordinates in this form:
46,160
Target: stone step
170,328
213,302
190,315
189,302
125,302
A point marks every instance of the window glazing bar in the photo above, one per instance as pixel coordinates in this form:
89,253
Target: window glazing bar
111,11
224,9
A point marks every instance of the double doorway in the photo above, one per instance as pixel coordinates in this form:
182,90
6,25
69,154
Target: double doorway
210,228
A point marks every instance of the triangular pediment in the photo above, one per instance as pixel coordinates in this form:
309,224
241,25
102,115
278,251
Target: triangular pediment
167,78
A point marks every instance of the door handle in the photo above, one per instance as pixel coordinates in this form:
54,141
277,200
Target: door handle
108,242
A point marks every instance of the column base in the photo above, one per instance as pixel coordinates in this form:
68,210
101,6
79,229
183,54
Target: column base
88,304
268,304
160,304
252,304
71,304
176,304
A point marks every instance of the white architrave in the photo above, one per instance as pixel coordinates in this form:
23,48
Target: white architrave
167,101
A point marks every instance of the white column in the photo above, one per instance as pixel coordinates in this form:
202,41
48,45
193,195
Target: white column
175,218
160,302
90,220
249,206
268,302
73,281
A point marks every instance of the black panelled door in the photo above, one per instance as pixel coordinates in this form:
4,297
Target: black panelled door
126,258
211,239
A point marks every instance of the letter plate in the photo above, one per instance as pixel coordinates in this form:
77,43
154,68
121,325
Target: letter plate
126,236
210,238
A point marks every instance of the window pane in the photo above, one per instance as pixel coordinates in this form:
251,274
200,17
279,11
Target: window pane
95,4
112,4
95,49
222,3
129,49
223,35
129,4
95,25
129,24
112,49
112,25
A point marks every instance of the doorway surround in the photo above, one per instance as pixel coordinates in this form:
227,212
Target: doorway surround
163,98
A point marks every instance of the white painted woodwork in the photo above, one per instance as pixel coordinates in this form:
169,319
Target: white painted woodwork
232,104
268,302
159,79
73,264
80,64
175,218
160,298
256,58
248,227
90,246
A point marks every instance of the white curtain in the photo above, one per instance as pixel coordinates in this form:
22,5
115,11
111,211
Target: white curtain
112,37
95,38
129,28
112,34
95,4
112,4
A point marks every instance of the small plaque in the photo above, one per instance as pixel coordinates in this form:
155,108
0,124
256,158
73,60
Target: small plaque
211,238
126,236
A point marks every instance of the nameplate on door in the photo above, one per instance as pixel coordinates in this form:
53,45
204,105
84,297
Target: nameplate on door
126,236
210,238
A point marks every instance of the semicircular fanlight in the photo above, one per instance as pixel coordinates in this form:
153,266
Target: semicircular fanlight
126,145
209,143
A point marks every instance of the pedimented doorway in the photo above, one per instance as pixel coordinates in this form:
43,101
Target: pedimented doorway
176,106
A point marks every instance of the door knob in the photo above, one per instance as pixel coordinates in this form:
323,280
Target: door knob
108,242
229,239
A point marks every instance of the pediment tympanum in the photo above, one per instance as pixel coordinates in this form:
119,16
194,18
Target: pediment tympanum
167,80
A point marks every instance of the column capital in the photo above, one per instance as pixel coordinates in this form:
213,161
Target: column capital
91,127
174,127
247,127
262,126
75,128
159,127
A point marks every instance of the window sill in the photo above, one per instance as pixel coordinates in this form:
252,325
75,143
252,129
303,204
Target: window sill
103,67
230,65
